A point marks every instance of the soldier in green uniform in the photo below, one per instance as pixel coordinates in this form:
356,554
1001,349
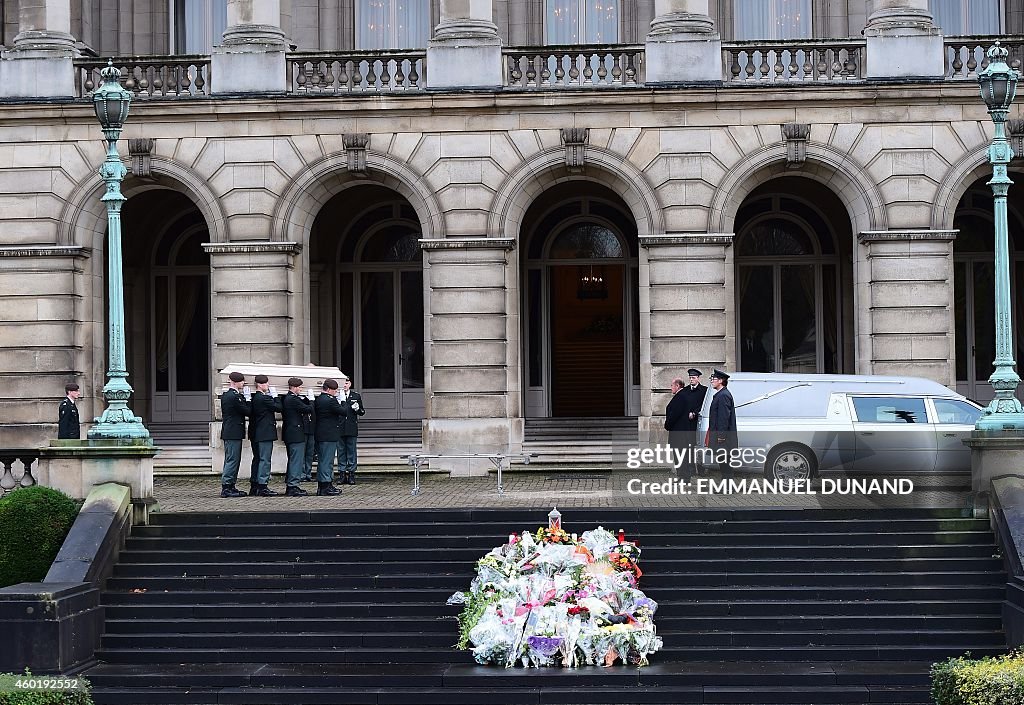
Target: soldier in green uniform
233,410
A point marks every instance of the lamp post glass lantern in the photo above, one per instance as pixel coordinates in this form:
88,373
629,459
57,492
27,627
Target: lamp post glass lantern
111,103
998,85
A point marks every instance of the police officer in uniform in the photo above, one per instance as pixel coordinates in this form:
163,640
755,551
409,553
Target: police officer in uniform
67,413
262,434
722,417
233,409
297,422
327,431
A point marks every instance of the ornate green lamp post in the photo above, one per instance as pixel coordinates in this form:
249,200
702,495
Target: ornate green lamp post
998,86
111,102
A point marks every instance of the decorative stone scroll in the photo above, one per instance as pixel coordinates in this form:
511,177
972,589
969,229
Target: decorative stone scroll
140,152
575,140
795,135
355,145
1016,130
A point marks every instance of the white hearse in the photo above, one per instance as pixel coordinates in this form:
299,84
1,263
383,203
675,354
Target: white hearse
808,423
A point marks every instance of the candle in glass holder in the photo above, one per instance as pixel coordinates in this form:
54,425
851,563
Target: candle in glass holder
554,519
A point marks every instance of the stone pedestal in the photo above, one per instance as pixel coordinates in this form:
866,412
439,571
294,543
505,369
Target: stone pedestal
252,57
469,409
688,280
903,41
49,627
465,51
40,64
904,302
994,454
683,45
75,467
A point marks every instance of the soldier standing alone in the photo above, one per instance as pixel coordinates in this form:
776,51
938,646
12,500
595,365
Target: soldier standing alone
67,413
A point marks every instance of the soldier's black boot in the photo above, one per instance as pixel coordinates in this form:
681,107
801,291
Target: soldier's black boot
295,492
230,491
351,479
326,489
265,491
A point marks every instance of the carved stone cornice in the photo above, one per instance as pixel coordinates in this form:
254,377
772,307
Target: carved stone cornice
906,235
469,243
722,239
252,247
76,251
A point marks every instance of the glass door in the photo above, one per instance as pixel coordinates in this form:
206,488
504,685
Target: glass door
781,314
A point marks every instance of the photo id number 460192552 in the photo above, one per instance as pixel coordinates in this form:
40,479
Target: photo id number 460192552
21,683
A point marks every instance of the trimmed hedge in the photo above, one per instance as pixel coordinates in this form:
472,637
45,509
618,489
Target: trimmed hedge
11,696
34,521
997,680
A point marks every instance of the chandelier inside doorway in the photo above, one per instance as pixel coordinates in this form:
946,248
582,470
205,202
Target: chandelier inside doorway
592,284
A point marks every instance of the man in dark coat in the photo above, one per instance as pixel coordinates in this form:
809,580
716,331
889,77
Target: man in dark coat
67,413
262,434
297,421
233,410
722,418
327,431
352,408
682,416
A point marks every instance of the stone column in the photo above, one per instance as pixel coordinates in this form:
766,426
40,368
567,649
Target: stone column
251,58
40,63
254,285
684,45
686,295
465,51
902,41
468,341
904,299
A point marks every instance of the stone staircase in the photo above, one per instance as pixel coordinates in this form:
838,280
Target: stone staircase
756,606
584,441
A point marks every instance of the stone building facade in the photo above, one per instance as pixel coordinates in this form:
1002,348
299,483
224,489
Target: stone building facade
484,233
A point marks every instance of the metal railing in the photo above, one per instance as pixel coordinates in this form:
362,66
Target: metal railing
12,477
318,73
965,56
150,76
592,66
793,61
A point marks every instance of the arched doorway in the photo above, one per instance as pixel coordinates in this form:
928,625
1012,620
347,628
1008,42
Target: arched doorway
581,332
790,277
367,262
167,307
974,285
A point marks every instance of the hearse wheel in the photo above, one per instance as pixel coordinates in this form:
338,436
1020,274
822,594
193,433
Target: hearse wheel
792,462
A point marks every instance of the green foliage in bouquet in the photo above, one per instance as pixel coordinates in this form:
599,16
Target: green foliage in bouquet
34,521
997,680
475,607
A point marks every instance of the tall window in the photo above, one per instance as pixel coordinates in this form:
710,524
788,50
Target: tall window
960,17
198,25
392,24
773,19
581,22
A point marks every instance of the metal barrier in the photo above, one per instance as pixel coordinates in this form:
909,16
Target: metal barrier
416,460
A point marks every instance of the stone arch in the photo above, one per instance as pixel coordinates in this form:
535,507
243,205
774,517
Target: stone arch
310,189
547,168
972,166
84,217
825,164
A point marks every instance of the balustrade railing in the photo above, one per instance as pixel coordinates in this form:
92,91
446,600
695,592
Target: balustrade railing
556,67
965,56
11,476
150,76
793,61
317,73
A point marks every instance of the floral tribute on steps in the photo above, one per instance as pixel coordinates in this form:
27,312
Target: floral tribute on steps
551,599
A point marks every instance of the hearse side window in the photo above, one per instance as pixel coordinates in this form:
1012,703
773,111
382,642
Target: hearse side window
955,411
890,410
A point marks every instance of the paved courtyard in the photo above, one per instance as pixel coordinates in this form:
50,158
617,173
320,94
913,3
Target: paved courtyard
542,489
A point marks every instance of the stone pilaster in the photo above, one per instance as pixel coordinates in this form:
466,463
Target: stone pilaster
904,301
251,58
683,45
465,51
686,294
40,63
902,41
469,344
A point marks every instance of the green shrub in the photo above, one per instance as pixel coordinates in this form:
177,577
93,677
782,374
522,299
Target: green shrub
34,522
997,680
10,694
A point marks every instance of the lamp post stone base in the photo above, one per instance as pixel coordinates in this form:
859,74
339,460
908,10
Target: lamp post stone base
994,454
